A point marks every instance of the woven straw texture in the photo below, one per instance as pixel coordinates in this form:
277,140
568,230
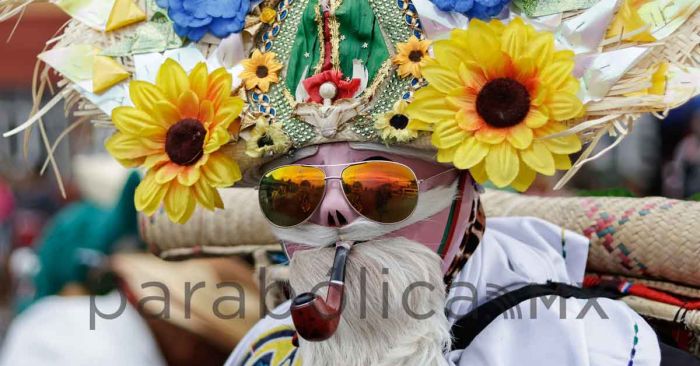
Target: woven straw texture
659,310
652,238
239,229
686,319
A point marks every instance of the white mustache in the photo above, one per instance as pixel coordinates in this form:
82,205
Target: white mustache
430,203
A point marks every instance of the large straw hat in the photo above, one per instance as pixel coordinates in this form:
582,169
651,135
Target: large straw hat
507,97
240,230
650,238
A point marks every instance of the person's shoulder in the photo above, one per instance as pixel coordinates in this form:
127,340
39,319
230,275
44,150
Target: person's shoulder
269,342
532,240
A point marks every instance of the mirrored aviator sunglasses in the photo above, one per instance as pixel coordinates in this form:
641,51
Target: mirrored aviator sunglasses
382,191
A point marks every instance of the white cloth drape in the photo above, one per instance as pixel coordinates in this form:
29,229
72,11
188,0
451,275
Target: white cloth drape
519,251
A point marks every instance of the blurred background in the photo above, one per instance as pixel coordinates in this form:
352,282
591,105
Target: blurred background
56,251
659,158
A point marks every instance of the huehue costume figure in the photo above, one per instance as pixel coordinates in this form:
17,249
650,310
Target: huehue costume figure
368,128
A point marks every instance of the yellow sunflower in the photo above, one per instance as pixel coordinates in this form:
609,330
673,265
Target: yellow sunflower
175,130
411,57
261,70
266,138
494,93
395,125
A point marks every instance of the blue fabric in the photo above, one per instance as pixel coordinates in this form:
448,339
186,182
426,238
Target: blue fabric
482,9
194,18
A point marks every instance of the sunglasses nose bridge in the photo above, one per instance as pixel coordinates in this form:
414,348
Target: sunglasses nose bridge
334,210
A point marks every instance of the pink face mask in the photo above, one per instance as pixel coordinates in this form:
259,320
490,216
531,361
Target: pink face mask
440,220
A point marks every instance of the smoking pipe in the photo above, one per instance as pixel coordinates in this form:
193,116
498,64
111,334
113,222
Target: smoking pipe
316,319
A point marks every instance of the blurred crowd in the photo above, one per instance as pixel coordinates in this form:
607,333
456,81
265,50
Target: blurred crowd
77,267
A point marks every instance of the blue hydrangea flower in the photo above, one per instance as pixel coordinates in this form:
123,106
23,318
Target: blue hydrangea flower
194,18
482,9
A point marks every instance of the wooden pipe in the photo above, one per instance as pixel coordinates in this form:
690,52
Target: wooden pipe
316,319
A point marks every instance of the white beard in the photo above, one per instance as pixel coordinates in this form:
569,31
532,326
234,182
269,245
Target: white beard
381,331
429,204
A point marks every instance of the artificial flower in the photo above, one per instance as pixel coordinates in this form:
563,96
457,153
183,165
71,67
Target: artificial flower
266,139
268,15
657,82
628,20
175,130
343,88
194,18
411,56
395,125
495,92
482,9
260,70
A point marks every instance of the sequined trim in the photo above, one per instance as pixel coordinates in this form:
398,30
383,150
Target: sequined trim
398,21
280,97
380,78
321,48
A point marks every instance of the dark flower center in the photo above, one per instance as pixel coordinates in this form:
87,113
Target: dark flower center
415,56
184,142
261,71
503,103
398,121
265,140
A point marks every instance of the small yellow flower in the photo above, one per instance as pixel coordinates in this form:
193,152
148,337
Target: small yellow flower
268,15
494,93
261,70
175,130
266,139
411,57
658,82
395,125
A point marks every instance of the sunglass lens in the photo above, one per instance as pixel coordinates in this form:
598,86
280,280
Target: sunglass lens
290,194
385,192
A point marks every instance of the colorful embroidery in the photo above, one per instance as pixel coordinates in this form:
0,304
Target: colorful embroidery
606,225
470,241
634,345
563,243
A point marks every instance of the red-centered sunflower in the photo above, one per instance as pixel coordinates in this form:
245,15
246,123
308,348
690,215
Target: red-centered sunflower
175,130
495,91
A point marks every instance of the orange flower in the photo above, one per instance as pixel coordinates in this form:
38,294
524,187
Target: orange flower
411,57
260,70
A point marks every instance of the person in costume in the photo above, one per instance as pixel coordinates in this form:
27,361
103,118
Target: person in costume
87,258
384,217
368,128
73,266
